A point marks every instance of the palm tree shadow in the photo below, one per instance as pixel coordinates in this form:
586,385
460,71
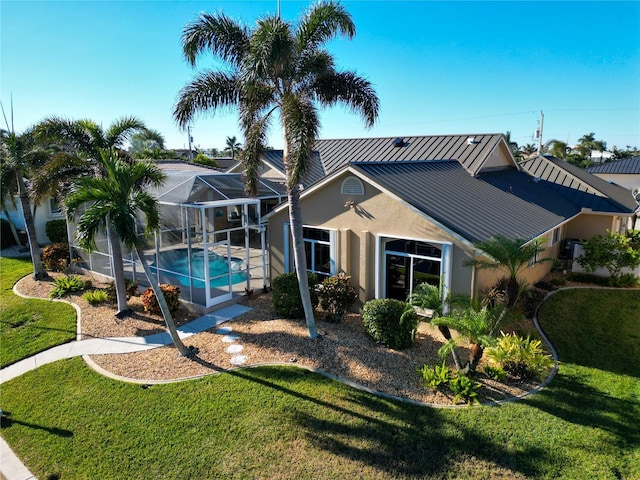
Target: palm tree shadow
6,422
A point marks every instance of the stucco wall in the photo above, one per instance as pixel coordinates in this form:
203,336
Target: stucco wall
585,226
632,182
42,216
373,214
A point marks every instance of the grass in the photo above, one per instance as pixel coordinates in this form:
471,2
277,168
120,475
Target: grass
281,422
29,326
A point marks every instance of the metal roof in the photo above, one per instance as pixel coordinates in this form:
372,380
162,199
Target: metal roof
580,187
626,166
504,202
470,150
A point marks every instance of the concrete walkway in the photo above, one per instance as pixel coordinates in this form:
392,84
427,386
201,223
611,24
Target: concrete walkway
10,466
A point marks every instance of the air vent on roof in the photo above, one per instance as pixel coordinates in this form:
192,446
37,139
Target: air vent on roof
398,142
472,141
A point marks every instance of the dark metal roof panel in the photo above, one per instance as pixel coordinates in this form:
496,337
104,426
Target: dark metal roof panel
580,186
626,166
474,207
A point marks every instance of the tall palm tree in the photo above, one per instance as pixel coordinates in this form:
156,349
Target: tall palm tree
146,140
8,189
557,148
114,201
276,69
510,255
81,143
233,146
21,155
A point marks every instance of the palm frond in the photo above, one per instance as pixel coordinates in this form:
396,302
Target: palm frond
301,124
271,53
323,22
217,33
207,91
121,130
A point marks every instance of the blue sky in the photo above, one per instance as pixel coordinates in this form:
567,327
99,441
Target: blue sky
438,67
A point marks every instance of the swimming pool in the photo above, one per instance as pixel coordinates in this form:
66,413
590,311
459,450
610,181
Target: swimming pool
174,267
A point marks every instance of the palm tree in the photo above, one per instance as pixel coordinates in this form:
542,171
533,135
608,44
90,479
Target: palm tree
557,148
82,143
233,146
527,150
146,141
477,325
510,255
20,156
8,189
276,68
114,201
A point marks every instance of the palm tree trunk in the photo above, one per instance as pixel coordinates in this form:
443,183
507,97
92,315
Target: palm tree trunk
446,333
477,351
38,269
295,219
513,291
118,272
164,308
12,226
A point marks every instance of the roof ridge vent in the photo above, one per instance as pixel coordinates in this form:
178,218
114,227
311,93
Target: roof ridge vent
398,142
472,141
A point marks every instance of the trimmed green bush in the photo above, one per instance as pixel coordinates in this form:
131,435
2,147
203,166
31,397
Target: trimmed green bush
171,295
131,288
55,257
56,230
390,322
95,297
336,296
286,295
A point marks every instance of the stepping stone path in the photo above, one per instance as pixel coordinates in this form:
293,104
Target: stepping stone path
234,349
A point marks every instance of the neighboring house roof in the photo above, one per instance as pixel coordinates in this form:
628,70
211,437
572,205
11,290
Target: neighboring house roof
226,163
502,202
470,150
183,166
626,166
579,186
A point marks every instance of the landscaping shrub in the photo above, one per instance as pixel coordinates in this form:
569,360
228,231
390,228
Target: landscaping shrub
437,376
171,295
464,389
521,357
613,251
495,373
68,284
390,322
531,299
587,278
336,296
96,297
286,295
131,288
6,236
56,230
55,257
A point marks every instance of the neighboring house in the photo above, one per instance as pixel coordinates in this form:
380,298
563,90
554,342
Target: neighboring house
395,212
46,210
625,172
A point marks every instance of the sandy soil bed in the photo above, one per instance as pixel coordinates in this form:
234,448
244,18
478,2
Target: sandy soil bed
343,350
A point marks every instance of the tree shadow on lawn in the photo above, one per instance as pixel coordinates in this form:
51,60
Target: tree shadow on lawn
395,437
7,421
568,398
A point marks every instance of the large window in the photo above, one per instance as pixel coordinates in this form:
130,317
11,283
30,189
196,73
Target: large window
319,248
409,263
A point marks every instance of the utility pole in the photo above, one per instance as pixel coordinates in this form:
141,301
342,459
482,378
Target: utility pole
539,132
190,140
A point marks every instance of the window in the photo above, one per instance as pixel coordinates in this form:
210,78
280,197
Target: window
320,251
409,263
54,208
555,237
352,186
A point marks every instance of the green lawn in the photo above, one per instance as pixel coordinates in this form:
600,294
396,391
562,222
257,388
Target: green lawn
68,422
29,326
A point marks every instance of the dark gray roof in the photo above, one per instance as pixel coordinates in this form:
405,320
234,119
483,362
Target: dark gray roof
504,202
626,166
334,154
580,187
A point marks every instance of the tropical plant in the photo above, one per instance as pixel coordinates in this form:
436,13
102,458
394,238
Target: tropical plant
276,67
613,251
147,140
496,373
55,257
96,297
83,143
114,201
171,294
56,230
20,156
437,376
557,148
510,255
464,389
521,357
336,296
8,190
233,146
68,284
477,325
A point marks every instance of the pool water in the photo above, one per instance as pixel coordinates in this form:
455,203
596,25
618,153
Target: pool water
177,264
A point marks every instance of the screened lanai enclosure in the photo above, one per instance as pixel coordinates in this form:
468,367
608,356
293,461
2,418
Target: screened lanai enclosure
211,242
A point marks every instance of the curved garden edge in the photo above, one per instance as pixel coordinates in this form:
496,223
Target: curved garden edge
93,365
